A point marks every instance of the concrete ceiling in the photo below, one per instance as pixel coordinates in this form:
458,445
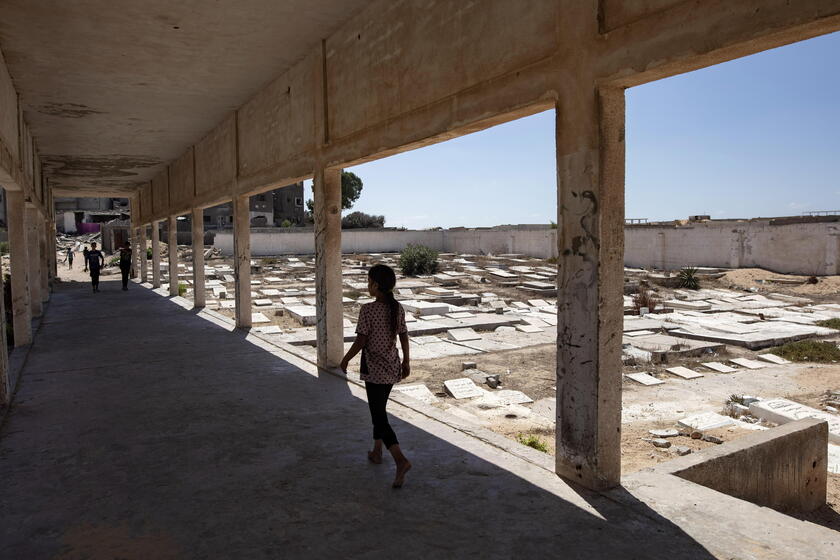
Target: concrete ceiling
115,89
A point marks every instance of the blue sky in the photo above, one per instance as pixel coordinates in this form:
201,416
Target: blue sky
757,136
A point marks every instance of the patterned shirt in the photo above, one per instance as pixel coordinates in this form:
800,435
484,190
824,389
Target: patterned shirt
380,351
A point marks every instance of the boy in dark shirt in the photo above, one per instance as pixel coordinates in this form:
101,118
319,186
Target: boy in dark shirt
125,263
95,263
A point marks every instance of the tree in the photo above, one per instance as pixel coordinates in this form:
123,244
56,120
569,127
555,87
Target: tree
351,190
355,220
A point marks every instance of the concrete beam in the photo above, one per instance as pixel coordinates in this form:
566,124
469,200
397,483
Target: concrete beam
155,255
33,246
199,294
172,241
144,258
328,281
590,191
242,261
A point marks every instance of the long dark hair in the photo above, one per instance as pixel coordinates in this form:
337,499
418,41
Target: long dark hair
385,279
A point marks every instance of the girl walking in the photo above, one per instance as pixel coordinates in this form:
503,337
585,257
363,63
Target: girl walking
380,323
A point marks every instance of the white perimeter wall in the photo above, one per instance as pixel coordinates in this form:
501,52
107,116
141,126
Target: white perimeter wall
796,248
267,242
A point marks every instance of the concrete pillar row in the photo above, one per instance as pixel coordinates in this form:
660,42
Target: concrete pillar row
242,260
144,258
33,244
172,241
199,294
19,264
329,324
135,252
590,221
155,255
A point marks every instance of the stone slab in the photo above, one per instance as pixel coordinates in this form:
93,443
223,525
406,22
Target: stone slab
747,363
424,308
417,391
705,421
782,411
719,367
644,378
530,329
509,396
257,318
463,335
304,314
462,388
684,372
773,359
269,329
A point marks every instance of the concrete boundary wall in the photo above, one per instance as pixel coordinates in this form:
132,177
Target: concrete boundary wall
805,248
268,242
784,468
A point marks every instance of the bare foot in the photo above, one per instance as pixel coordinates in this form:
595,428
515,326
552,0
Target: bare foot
399,478
374,457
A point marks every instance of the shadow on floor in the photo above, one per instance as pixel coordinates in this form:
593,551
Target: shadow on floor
142,430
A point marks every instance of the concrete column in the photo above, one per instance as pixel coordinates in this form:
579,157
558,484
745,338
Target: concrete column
5,382
19,258
590,193
199,294
155,255
135,252
45,260
33,244
242,260
329,325
661,251
172,240
144,258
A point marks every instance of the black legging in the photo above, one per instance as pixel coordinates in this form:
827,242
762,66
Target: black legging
377,396
124,271
94,278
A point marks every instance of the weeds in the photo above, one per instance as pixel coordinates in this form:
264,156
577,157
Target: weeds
417,259
645,298
532,441
182,289
808,351
829,324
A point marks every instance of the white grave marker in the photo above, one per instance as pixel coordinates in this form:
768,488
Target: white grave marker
773,359
719,367
684,372
782,411
417,391
462,388
705,421
644,378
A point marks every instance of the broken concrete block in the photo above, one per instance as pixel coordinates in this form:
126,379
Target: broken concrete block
468,365
682,450
659,442
712,439
664,433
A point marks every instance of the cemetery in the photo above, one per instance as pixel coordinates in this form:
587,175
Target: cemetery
482,345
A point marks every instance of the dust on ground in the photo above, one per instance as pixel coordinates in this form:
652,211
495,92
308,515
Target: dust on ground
826,289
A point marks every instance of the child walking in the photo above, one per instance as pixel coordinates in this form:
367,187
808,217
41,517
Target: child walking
380,323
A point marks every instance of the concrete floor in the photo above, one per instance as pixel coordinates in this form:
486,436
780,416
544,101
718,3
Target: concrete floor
141,429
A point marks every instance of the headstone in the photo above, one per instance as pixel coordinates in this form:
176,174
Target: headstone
463,335
257,318
538,303
773,359
468,365
462,388
417,391
643,378
405,291
509,396
782,411
705,421
526,328
719,367
684,372
262,302
747,363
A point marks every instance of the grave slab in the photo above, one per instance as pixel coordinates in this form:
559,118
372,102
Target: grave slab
257,318
644,378
705,421
773,359
304,314
684,372
417,391
509,396
782,411
747,363
463,335
462,388
526,328
719,367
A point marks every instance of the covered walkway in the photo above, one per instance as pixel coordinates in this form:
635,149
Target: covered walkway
141,429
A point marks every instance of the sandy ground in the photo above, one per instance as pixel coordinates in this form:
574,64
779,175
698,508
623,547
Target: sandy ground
827,288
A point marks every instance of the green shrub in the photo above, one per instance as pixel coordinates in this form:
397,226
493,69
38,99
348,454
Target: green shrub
645,298
4,247
533,442
113,261
417,259
286,223
829,324
688,278
149,253
808,351
182,289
